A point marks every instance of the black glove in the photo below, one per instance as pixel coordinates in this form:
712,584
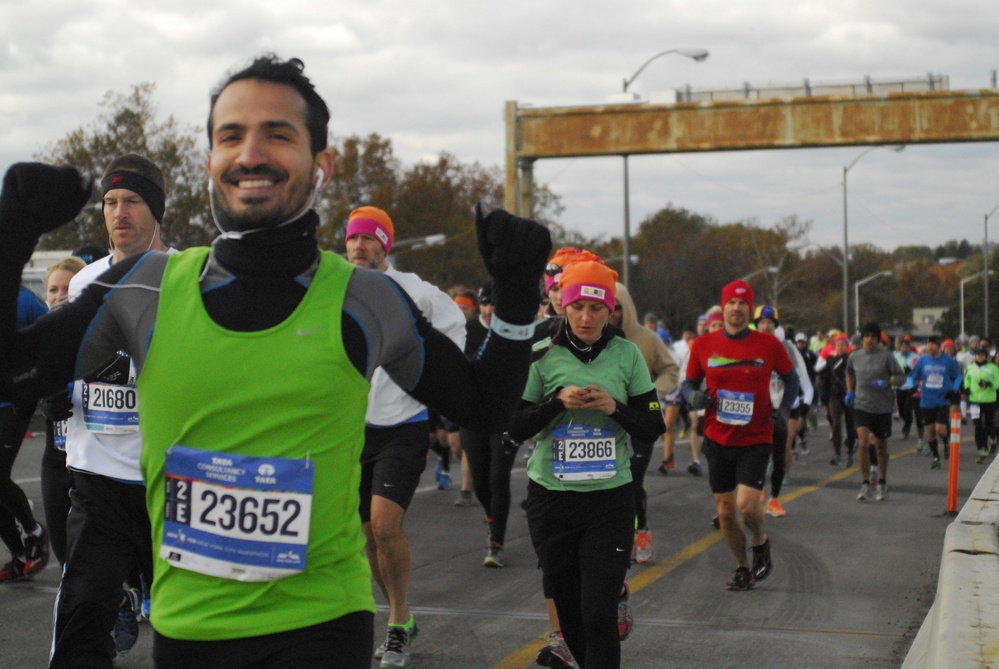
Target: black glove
984,383
514,251
954,397
782,414
56,407
698,400
36,199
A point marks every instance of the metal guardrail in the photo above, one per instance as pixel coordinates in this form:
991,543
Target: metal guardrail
868,86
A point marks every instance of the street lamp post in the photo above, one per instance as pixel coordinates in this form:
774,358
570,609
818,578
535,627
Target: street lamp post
770,270
964,281
846,244
985,268
856,292
697,55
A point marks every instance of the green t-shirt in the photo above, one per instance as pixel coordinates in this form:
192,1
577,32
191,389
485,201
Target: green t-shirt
223,413
595,448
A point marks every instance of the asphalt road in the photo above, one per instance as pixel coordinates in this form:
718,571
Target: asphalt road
852,581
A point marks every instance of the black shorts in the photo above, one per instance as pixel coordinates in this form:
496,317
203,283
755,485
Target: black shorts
879,424
343,643
731,466
939,415
391,463
797,412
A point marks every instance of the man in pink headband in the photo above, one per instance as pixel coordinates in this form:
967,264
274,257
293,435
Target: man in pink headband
374,224
395,436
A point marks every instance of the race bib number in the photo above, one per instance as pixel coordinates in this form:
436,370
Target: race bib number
974,411
59,428
934,381
734,408
235,516
110,409
583,453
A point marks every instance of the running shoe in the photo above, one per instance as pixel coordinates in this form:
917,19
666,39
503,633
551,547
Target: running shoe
982,454
882,493
865,492
663,468
126,628
935,464
775,509
835,461
762,564
920,446
683,434
555,653
36,545
742,580
694,468
443,476
644,548
13,571
398,638
625,621
464,498
804,447
494,556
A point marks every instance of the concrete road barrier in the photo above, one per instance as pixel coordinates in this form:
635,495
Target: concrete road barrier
962,627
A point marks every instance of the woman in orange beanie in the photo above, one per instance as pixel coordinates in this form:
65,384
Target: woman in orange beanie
583,399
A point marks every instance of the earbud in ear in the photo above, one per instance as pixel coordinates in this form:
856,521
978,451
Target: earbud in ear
320,175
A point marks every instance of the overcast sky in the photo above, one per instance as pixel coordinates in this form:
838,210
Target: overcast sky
433,76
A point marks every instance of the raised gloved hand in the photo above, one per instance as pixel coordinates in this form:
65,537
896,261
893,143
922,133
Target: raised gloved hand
848,400
880,384
699,400
37,198
514,251
56,407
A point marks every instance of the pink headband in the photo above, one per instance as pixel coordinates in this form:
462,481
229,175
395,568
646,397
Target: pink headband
368,226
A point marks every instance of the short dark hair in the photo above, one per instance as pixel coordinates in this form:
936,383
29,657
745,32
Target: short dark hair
870,329
270,68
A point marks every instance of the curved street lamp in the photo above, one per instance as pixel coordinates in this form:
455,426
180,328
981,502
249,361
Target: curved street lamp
985,268
770,270
856,292
696,54
964,281
846,246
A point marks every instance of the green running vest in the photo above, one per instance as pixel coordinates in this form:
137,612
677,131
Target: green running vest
286,392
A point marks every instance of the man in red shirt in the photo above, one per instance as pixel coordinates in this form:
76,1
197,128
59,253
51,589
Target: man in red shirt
737,363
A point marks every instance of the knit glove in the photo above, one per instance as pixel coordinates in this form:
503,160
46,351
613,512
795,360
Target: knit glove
514,251
37,198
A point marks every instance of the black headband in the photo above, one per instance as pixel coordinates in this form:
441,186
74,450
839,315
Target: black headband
152,194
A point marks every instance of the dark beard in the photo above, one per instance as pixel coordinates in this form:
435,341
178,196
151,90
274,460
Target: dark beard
255,219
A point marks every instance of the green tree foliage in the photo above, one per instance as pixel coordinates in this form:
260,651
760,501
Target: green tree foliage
128,124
